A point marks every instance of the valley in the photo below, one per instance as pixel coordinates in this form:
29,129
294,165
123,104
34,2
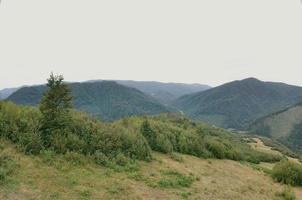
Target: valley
104,140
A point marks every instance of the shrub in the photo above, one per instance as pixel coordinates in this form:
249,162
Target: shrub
58,141
174,179
216,148
121,160
101,159
287,194
75,158
31,142
288,173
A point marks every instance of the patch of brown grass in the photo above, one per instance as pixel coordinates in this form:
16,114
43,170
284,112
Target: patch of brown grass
213,179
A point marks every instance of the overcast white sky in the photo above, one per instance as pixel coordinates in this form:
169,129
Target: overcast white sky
191,41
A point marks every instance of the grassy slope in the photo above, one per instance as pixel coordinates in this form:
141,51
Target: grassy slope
213,179
260,146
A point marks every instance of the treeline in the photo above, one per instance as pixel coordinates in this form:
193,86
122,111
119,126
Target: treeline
55,126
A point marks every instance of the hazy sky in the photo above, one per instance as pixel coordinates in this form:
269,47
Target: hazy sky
191,41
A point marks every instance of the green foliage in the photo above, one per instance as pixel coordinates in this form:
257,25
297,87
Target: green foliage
174,179
294,140
287,194
21,125
288,173
121,142
55,108
149,134
216,148
75,158
106,100
239,103
171,133
284,126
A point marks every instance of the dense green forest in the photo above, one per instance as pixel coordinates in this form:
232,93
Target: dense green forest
239,103
107,99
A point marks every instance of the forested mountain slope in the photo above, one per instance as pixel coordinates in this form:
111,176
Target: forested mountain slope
105,99
238,103
285,126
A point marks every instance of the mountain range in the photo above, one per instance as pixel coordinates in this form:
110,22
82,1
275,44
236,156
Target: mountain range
165,93
239,103
232,105
105,99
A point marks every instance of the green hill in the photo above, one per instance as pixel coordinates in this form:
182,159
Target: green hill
164,92
106,99
284,126
162,157
238,103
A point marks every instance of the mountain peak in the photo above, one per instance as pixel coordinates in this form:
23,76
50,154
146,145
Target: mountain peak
251,79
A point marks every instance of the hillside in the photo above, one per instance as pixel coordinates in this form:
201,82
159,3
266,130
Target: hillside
158,157
7,92
107,99
164,92
238,103
63,177
285,126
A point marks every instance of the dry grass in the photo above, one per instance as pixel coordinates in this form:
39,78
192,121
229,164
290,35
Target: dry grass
213,179
260,146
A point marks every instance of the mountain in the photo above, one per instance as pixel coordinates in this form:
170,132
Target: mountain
164,92
107,99
238,103
284,126
7,92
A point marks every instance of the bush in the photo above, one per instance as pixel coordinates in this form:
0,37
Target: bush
31,142
216,148
288,173
287,194
174,179
101,159
75,158
130,138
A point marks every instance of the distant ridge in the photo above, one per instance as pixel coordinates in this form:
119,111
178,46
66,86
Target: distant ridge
107,99
4,93
163,92
238,103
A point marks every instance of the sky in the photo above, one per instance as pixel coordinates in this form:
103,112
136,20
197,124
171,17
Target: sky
188,41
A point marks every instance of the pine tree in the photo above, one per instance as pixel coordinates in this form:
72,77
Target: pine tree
55,107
